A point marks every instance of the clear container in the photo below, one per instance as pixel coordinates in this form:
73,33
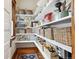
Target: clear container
64,13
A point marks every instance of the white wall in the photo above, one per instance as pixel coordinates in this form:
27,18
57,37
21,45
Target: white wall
7,29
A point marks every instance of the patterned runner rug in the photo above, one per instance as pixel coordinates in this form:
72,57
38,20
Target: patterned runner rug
28,56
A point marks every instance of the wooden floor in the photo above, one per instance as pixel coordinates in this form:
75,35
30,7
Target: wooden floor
21,51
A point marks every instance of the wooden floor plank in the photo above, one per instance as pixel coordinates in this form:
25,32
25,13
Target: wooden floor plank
21,51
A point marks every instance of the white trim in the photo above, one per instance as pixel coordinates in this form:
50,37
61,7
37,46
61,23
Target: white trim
44,55
62,25
57,21
24,41
25,15
24,33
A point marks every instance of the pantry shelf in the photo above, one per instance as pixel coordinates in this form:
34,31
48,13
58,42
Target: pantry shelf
53,42
49,3
43,11
44,55
24,27
62,25
24,41
20,27
24,15
65,20
24,33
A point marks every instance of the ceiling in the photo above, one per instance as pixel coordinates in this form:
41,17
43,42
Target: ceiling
26,4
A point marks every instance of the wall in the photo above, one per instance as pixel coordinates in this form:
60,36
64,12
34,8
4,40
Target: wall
8,29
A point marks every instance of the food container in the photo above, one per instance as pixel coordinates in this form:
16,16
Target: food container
48,33
49,17
57,15
28,30
42,32
63,35
64,14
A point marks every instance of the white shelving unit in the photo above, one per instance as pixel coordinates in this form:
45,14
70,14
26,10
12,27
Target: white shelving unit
24,15
44,55
62,25
45,8
53,42
57,21
62,22
24,41
20,27
25,34
67,18
25,27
